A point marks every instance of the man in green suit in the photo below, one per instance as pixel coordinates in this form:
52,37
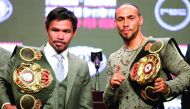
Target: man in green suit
68,87
74,90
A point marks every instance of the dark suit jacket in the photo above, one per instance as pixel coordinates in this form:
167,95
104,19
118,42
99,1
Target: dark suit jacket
188,54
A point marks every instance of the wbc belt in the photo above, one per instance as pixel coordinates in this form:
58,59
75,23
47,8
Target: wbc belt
32,78
145,69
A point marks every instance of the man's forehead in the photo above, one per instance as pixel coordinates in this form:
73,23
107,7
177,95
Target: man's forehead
126,10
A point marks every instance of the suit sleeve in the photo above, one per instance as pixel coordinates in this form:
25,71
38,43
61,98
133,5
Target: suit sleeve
86,92
5,84
4,76
4,56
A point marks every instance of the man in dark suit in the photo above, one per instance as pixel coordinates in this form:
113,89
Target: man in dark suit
50,77
4,56
186,93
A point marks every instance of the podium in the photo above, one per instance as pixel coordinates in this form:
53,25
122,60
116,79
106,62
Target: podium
98,100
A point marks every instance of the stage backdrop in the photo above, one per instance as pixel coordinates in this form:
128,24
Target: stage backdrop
22,21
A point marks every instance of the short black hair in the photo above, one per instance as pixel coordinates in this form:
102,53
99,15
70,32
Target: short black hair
61,13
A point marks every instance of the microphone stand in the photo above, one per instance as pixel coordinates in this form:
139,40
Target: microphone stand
97,83
96,57
97,65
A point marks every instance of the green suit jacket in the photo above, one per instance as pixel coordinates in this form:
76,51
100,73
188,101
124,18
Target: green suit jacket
79,88
12,93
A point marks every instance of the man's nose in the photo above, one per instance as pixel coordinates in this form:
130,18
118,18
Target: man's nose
60,35
125,23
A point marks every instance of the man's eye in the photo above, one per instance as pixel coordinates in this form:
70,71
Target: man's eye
131,18
66,31
119,19
55,30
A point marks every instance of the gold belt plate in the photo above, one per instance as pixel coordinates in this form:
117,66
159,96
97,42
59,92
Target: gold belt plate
146,69
31,78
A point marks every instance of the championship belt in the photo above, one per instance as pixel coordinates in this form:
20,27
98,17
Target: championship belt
145,70
30,78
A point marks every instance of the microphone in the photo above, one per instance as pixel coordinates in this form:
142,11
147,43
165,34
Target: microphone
96,57
97,62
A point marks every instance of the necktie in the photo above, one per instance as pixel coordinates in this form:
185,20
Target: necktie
59,69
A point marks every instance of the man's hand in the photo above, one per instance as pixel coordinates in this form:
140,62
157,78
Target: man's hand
9,106
38,104
117,78
161,86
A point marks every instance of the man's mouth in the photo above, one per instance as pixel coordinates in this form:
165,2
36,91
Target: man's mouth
59,43
127,29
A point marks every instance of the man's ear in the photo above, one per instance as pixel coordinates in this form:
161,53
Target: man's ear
141,20
75,33
115,22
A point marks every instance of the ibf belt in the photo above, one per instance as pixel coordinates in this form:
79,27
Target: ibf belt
145,70
30,78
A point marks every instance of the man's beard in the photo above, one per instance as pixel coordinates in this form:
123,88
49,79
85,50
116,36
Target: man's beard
59,49
129,38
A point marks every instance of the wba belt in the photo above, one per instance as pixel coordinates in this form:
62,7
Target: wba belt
144,70
32,78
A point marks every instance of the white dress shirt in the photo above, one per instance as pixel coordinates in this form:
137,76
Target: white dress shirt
50,56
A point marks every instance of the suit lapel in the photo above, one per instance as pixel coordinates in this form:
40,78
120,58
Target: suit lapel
48,64
71,74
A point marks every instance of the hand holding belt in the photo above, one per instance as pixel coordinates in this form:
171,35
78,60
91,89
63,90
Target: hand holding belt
145,71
